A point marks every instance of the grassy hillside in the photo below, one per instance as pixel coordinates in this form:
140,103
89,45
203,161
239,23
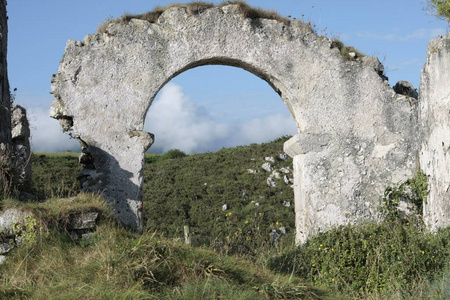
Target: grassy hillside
192,190
243,252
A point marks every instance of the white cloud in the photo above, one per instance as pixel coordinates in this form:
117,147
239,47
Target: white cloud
46,133
179,123
263,130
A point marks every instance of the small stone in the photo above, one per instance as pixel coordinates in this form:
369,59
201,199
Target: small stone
251,171
2,259
224,207
244,195
288,180
285,170
287,203
276,174
267,167
282,230
271,183
5,248
257,204
270,158
283,156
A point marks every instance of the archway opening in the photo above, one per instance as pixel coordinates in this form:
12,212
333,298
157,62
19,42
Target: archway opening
234,187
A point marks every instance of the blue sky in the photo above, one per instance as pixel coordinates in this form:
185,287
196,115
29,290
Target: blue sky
213,101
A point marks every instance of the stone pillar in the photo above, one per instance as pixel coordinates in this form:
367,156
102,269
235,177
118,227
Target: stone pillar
435,131
20,135
5,117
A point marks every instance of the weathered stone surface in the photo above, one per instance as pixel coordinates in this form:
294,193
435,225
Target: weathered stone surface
373,62
2,259
21,148
11,216
5,115
435,126
5,248
83,220
406,88
271,182
355,136
267,167
270,159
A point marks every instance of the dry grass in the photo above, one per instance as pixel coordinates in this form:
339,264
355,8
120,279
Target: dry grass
346,50
256,13
195,8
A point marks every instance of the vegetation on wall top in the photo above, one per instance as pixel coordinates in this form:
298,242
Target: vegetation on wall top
195,8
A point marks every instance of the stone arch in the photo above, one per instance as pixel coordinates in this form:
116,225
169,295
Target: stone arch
354,131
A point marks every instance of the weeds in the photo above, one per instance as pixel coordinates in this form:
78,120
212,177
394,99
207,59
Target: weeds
347,52
195,8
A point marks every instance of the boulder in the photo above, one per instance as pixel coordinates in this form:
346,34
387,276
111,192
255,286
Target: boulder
12,216
82,220
406,88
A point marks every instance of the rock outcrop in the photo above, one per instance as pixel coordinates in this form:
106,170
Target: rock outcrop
435,131
15,166
20,134
355,136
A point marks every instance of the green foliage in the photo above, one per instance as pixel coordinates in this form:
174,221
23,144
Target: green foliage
174,153
369,257
414,191
440,9
394,255
29,231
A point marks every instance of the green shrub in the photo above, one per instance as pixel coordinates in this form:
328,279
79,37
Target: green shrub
394,254
174,153
440,9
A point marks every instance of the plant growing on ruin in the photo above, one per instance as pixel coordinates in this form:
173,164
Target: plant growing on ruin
439,8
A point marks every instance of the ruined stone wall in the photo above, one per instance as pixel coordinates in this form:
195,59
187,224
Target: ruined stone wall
355,134
435,131
5,117
20,134
15,165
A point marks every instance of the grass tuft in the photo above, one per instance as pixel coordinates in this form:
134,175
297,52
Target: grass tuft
195,8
